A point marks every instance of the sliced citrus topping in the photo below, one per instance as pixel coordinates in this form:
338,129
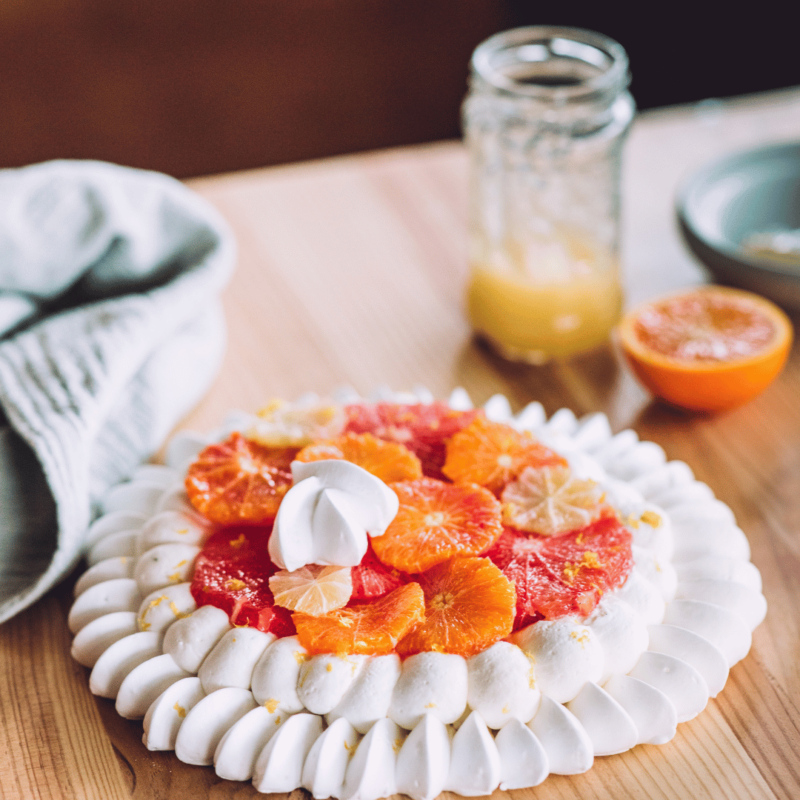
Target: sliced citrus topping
388,461
469,605
239,481
370,629
232,572
424,428
492,454
561,575
708,349
437,521
372,579
312,589
551,500
280,424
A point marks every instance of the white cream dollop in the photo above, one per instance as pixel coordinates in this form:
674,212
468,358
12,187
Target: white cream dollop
326,516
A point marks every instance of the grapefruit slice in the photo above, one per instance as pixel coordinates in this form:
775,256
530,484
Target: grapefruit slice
424,428
436,521
561,575
366,629
469,605
707,349
232,572
371,579
239,481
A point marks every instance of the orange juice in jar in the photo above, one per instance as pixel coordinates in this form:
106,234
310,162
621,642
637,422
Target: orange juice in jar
545,119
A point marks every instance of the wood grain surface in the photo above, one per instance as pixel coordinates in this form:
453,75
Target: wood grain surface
352,271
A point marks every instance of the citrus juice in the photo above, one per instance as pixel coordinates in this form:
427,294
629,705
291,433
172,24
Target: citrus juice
534,321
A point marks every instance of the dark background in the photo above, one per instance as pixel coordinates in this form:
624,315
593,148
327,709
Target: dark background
194,87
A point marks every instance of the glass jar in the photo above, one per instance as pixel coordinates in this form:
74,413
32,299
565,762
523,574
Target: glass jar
544,122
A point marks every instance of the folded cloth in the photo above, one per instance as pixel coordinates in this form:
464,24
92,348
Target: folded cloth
110,331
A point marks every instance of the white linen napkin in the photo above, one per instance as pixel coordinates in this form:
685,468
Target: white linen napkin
110,331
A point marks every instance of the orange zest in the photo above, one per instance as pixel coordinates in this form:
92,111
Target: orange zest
389,461
469,605
436,521
373,628
707,349
239,481
492,454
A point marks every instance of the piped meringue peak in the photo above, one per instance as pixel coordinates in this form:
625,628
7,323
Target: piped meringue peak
325,517
613,642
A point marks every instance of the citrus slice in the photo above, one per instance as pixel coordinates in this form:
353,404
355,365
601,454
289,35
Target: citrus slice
424,428
388,461
561,575
551,500
469,605
312,589
491,454
708,349
436,521
280,424
232,572
368,629
239,481
371,579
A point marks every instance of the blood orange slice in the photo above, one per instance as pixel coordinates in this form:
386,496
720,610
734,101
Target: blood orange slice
492,454
561,575
232,572
437,521
240,481
388,461
424,428
371,579
366,629
469,605
551,500
708,349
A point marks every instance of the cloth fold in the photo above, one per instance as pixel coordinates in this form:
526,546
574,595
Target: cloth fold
110,331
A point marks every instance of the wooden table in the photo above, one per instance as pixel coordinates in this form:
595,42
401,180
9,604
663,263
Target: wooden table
352,271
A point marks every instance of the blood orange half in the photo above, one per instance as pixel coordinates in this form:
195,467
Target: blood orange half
708,349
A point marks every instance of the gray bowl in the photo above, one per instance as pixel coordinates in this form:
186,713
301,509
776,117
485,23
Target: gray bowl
741,217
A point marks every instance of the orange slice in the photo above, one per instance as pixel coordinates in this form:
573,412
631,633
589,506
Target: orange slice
388,461
491,454
239,481
708,349
469,605
437,521
370,629
312,589
551,500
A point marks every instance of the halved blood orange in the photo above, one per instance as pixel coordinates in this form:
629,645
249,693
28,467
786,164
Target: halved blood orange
707,349
492,454
437,521
469,605
424,428
389,461
369,629
240,481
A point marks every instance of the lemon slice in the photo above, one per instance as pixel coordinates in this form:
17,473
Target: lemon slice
282,425
551,500
312,589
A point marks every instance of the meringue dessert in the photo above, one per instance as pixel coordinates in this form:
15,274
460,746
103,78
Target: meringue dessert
408,596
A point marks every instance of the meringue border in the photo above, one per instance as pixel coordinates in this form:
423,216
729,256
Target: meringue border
191,675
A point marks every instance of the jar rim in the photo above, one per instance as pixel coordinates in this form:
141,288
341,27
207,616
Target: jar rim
528,45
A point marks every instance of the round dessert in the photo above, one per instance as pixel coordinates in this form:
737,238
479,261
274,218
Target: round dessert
365,598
